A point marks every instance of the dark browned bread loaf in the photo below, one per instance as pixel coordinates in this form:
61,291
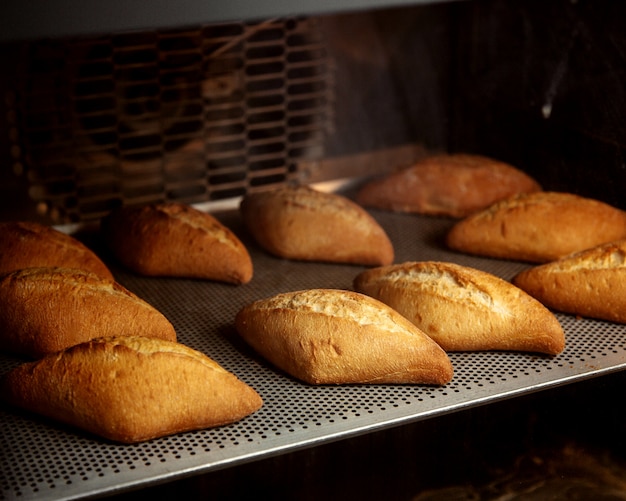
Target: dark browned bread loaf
464,309
25,244
327,336
44,310
538,227
452,185
590,283
305,224
130,389
176,240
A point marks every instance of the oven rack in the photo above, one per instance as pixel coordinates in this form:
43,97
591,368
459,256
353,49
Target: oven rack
42,460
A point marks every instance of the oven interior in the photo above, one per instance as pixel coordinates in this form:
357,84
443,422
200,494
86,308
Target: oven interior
205,113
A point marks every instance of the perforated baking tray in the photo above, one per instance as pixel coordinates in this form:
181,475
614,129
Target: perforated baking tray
43,460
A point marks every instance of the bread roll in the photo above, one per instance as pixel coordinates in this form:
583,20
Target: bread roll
538,227
591,283
130,389
464,309
25,244
452,185
327,336
176,240
44,310
301,223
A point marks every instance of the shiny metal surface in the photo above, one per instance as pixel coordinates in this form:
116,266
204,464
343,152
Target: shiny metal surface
41,18
42,460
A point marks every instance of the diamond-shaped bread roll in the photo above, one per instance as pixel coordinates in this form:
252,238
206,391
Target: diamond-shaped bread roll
464,309
328,336
131,389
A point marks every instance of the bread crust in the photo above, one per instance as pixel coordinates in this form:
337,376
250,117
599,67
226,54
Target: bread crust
130,389
301,223
45,310
27,244
464,309
453,185
176,240
590,283
327,336
538,227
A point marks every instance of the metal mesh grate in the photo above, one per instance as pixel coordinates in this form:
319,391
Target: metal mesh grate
194,115
42,460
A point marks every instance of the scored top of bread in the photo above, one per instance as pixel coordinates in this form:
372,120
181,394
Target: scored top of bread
130,389
327,336
27,244
538,227
305,224
464,309
452,185
176,240
590,283
44,310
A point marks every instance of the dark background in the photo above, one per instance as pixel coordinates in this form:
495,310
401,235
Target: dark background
540,84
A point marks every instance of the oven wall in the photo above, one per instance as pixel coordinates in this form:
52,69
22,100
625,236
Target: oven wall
540,84
393,78
543,85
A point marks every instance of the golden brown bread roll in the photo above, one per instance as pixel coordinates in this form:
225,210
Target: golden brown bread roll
130,389
44,310
327,336
176,240
452,185
301,223
538,227
590,283
25,244
464,309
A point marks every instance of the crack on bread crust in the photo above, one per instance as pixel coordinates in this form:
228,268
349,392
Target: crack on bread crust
87,280
444,280
198,220
608,258
359,308
149,347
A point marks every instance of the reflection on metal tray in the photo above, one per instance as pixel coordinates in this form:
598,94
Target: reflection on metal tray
43,460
